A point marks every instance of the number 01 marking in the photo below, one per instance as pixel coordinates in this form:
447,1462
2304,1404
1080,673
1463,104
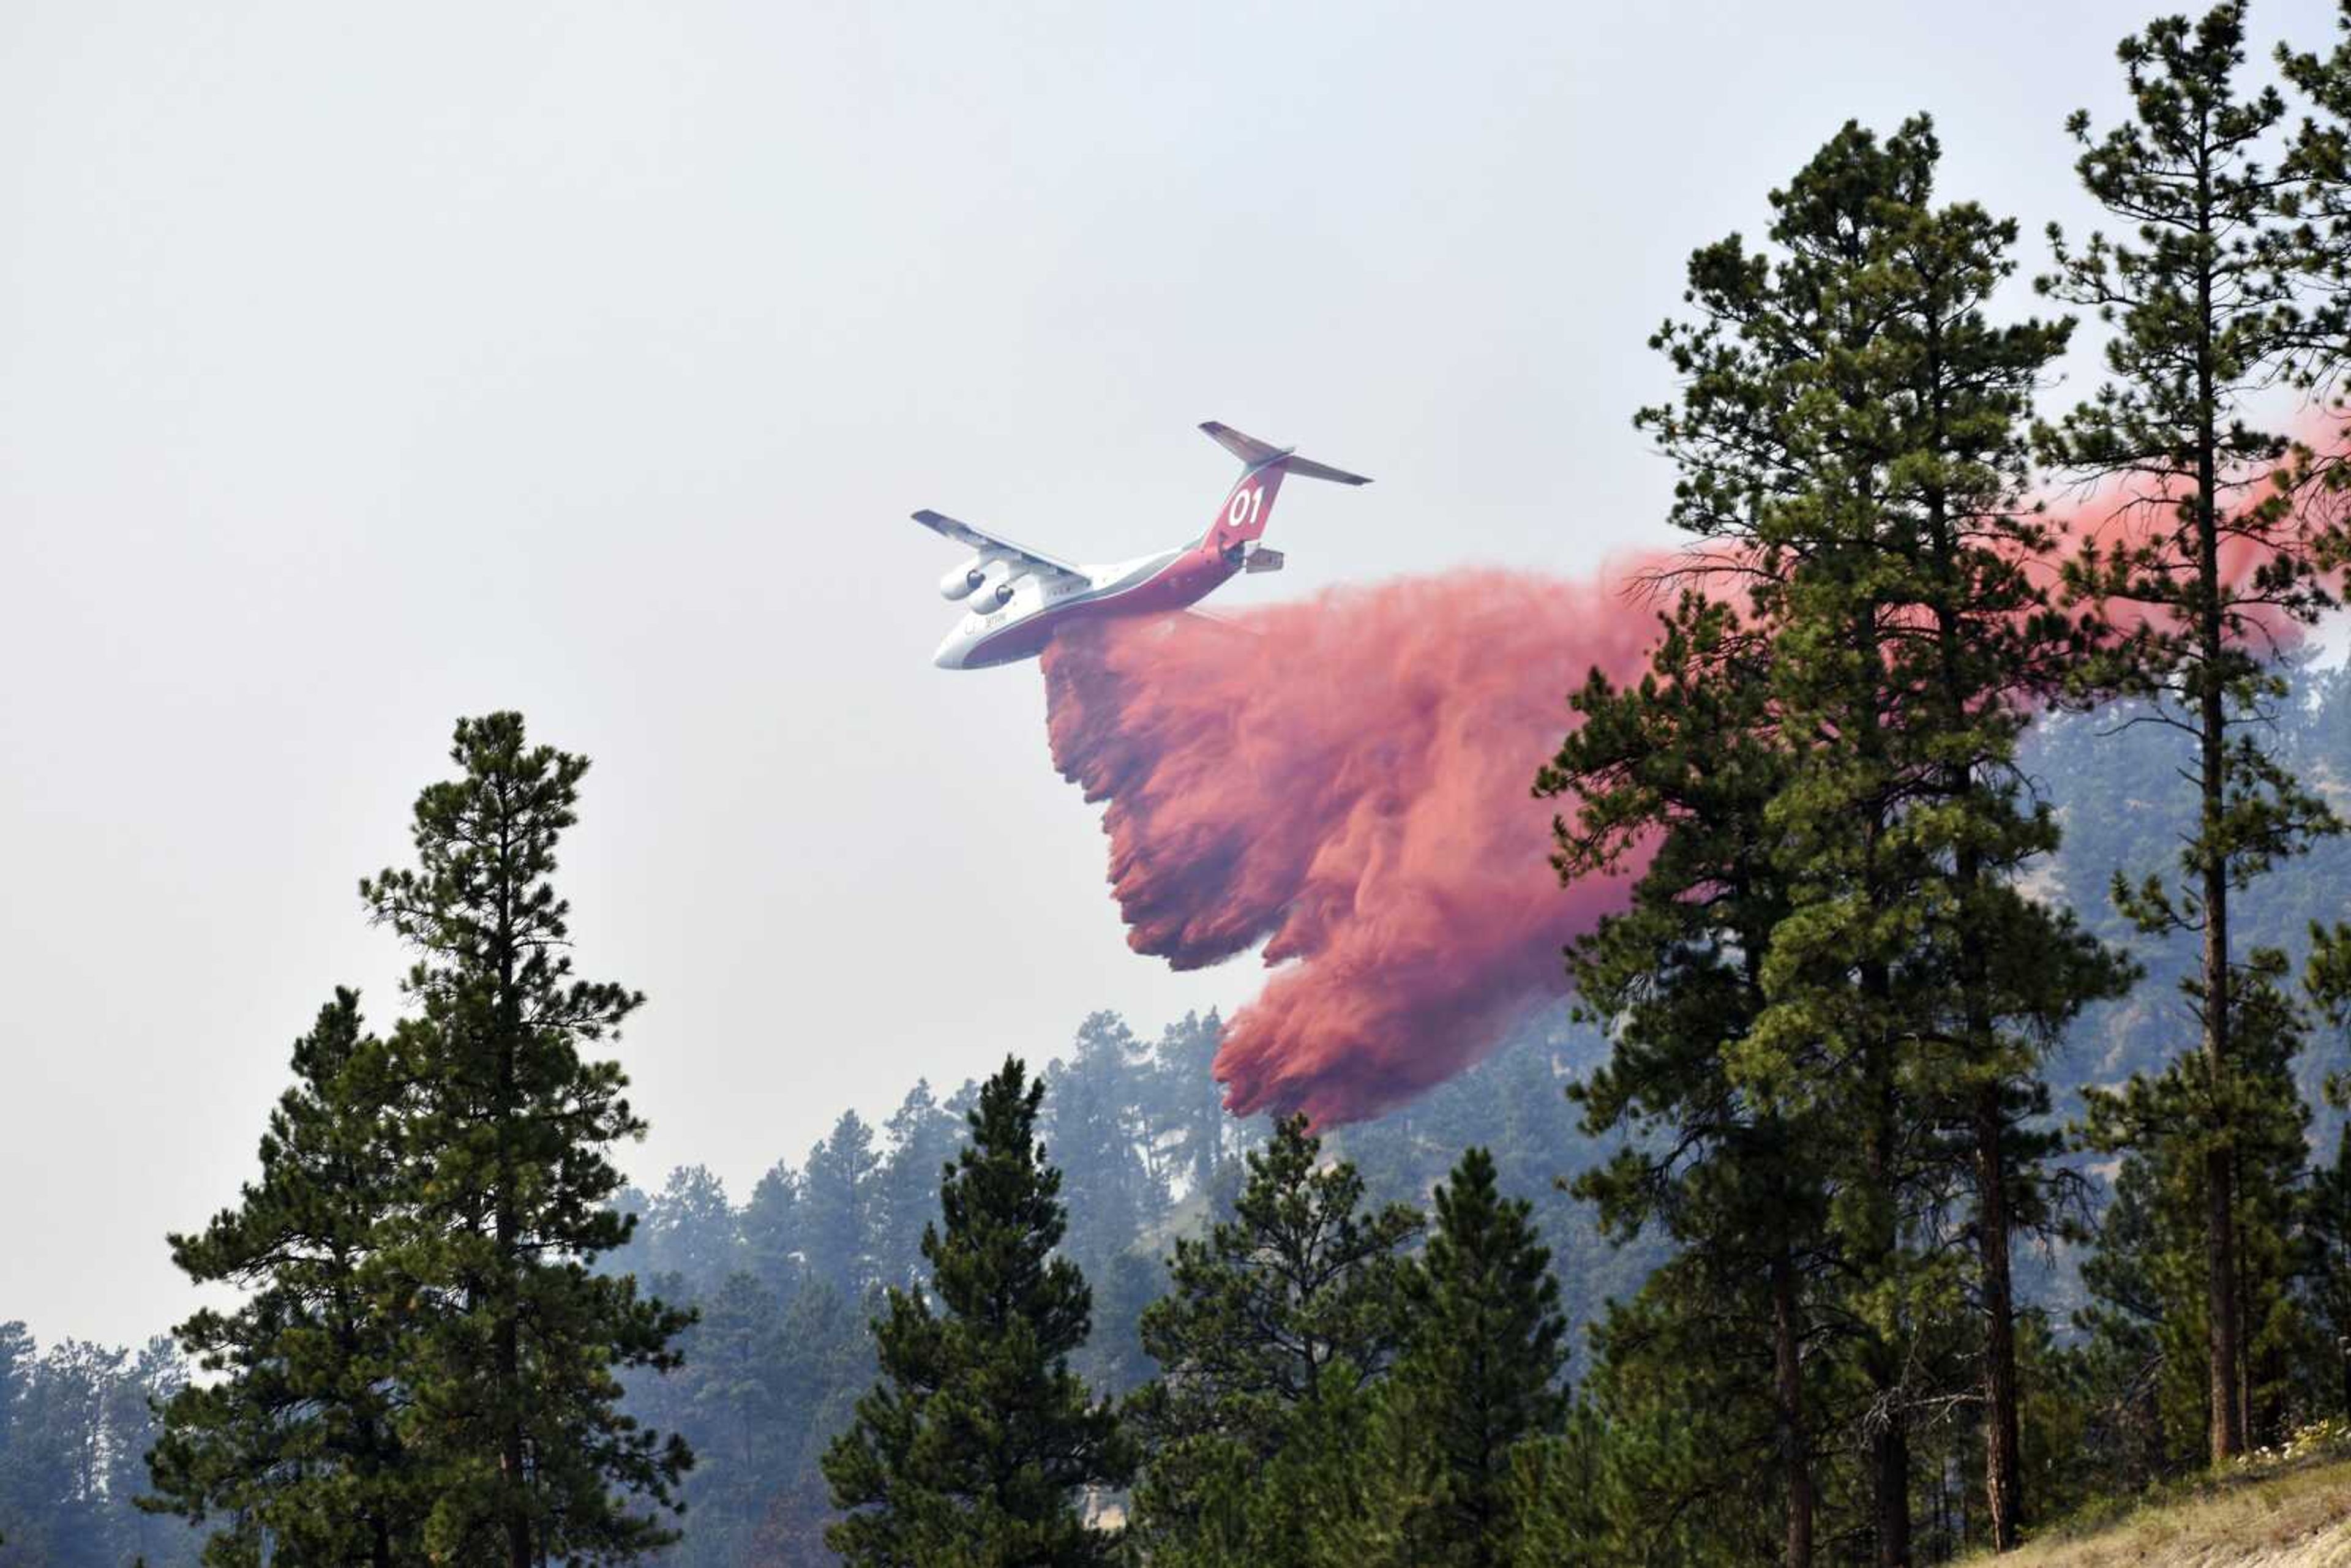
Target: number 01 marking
1244,507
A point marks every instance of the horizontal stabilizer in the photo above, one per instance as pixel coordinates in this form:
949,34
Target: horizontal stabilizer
1258,454
1306,467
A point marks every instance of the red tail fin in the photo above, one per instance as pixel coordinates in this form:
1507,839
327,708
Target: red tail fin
1246,508
1249,502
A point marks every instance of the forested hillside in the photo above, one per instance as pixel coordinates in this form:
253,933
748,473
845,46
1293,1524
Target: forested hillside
786,1276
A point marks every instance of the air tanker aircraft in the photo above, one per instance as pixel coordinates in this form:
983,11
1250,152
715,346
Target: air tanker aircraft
1018,597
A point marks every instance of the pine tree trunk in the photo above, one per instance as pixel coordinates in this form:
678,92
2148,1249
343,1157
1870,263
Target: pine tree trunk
2219,1169
510,1443
2250,1368
1889,1454
1889,1442
2002,1492
1796,1448
508,1327
2220,1196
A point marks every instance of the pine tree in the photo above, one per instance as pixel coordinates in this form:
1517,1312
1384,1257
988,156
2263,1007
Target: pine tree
2001,975
1574,1505
1095,1130
841,1206
1276,1325
731,1389
1784,441
976,1447
2318,252
1481,1374
828,1365
690,1230
295,1429
2148,1317
157,1372
1188,1100
510,1341
1686,763
1851,424
2202,309
1911,643
69,1416
771,1225
923,1138
2328,1233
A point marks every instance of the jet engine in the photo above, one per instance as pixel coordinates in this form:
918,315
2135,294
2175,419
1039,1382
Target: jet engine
963,578
995,596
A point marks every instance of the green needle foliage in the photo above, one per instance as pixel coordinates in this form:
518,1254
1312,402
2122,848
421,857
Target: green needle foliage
425,1366
511,1341
1855,953
297,1434
1684,765
1276,1326
977,1446
2202,307
1481,1376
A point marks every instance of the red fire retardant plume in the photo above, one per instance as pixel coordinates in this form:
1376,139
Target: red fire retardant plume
1348,780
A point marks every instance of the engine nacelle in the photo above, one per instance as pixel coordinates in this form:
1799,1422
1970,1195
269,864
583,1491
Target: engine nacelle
992,584
963,578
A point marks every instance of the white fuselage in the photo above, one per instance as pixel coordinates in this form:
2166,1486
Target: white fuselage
1020,627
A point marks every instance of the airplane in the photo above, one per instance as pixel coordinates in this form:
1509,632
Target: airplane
1018,598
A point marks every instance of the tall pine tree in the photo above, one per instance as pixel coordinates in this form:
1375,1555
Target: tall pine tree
1275,1328
295,1430
840,1208
1683,766
771,1225
1188,1101
1094,1127
1970,644
977,1446
1480,1376
2203,321
511,1341
1851,425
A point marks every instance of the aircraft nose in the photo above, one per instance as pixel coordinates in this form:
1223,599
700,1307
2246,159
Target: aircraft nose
949,655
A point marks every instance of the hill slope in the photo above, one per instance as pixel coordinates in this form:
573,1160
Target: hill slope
2288,1513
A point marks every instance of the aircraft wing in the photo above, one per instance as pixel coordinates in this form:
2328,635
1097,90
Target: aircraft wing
1036,560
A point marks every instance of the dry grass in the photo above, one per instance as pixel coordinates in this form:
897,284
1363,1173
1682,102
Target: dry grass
2289,1514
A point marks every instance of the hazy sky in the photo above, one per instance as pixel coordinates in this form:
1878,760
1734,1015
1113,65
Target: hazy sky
361,367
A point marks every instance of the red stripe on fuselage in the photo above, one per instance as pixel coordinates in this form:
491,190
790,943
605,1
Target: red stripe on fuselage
1186,581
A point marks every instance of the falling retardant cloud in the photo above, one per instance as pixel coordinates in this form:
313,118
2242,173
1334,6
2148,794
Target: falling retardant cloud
1348,781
